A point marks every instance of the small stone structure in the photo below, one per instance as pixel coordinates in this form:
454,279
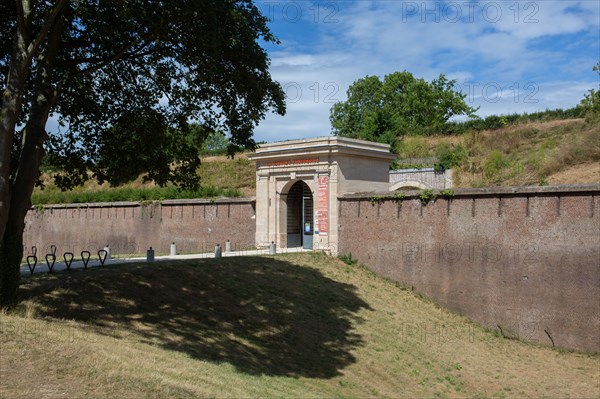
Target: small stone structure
422,178
290,213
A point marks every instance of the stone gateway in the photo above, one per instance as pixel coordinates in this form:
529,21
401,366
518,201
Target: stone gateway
298,184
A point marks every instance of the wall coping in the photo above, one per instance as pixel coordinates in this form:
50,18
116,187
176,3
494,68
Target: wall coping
412,170
169,202
321,146
571,189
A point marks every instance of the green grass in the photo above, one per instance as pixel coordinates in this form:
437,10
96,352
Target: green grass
238,173
53,195
220,177
305,325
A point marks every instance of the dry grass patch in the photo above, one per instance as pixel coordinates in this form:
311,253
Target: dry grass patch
238,173
290,326
588,172
529,154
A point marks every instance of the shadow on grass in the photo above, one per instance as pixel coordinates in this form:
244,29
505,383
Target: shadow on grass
262,315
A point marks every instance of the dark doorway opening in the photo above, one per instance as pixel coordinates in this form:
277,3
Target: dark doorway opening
300,226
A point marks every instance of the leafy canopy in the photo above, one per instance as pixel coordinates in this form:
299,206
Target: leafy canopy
591,101
130,77
382,111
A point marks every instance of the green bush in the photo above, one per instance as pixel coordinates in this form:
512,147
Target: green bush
449,156
494,164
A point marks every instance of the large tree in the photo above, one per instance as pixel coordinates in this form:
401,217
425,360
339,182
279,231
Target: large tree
134,72
382,111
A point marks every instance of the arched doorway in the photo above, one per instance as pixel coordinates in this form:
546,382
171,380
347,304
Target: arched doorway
300,225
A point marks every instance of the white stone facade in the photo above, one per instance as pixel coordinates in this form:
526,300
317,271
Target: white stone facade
331,167
420,178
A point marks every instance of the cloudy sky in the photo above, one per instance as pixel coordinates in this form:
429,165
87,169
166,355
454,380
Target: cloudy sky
507,56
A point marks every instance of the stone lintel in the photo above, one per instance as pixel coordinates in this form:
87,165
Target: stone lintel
303,150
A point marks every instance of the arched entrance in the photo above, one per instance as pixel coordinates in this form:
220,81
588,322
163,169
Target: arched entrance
300,224
409,185
331,167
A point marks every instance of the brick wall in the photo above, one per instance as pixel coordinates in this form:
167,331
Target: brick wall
130,228
524,261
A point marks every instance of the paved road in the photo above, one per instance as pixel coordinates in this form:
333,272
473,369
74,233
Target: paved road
94,261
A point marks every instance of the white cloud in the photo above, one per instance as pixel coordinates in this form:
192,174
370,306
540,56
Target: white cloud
510,49
290,59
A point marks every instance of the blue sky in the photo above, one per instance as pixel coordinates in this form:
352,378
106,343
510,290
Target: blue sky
507,56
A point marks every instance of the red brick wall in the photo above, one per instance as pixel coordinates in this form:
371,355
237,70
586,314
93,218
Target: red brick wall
525,262
130,228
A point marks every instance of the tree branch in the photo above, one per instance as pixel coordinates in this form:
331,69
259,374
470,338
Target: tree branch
43,33
121,54
20,14
92,60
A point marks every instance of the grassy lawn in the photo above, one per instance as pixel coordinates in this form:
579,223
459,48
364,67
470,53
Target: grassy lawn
303,325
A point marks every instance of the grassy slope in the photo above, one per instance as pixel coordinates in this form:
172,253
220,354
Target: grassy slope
290,326
238,173
531,154
219,177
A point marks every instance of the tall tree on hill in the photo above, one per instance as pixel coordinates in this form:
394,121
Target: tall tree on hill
383,111
590,104
140,65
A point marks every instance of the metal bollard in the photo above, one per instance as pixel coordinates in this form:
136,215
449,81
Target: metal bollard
107,249
173,251
272,248
150,255
228,246
218,251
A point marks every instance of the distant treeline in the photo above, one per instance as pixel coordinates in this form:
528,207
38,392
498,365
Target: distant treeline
499,121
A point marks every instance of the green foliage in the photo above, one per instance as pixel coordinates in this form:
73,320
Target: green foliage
447,192
413,147
128,194
347,259
494,164
215,144
379,199
449,156
142,143
549,144
116,63
384,111
495,122
426,196
591,102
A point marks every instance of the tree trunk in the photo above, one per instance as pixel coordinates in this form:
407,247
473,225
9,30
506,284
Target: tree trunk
25,48
11,253
44,98
12,98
